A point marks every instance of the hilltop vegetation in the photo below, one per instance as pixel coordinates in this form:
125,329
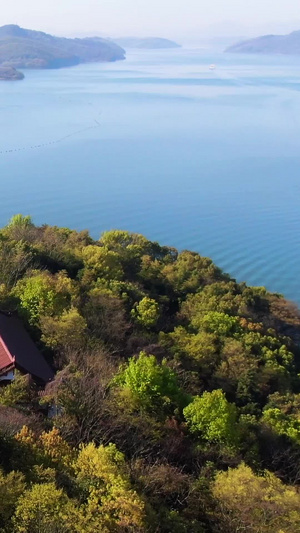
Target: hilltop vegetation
269,44
176,402
22,48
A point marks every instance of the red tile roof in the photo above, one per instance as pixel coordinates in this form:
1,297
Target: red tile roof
16,347
5,357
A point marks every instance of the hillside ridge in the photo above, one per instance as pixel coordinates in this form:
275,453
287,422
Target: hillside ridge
23,48
269,44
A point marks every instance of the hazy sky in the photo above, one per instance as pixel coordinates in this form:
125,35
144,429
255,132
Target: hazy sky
169,18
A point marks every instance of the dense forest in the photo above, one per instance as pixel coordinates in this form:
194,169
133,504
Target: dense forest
175,405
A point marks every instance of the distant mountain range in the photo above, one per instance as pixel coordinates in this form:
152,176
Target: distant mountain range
21,48
269,44
146,42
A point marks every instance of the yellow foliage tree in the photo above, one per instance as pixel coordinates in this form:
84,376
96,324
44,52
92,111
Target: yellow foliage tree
11,487
111,502
27,437
258,504
46,509
99,262
47,450
56,448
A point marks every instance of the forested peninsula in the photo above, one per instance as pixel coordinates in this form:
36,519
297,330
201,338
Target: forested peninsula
23,48
175,402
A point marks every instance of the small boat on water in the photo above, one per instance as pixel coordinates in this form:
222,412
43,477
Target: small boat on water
212,67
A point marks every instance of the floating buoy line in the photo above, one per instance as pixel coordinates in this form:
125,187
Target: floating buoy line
61,139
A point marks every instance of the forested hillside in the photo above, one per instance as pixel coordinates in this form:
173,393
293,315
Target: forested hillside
176,402
22,48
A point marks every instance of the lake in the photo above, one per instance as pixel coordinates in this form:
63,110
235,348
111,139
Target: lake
159,144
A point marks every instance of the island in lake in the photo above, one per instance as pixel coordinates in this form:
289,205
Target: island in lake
149,43
22,48
10,74
269,44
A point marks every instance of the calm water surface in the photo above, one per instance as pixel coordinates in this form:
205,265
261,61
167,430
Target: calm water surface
159,144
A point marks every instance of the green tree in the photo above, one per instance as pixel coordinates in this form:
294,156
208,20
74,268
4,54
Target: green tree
146,313
222,297
218,323
200,348
42,294
66,332
20,221
20,227
281,423
190,272
16,393
150,385
213,418
127,244
99,262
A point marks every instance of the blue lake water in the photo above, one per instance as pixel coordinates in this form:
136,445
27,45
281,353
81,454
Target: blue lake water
161,145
